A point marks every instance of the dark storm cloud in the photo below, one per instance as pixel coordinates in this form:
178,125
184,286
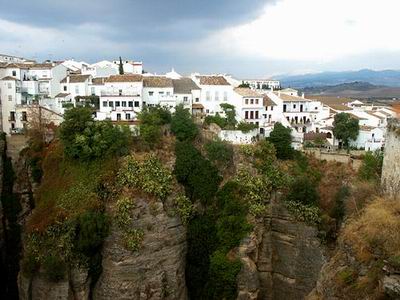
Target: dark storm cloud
138,18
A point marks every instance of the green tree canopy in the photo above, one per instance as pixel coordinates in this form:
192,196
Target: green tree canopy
182,124
151,119
121,66
345,128
230,115
282,139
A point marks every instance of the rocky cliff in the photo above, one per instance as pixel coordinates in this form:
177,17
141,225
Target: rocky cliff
157,269
281,258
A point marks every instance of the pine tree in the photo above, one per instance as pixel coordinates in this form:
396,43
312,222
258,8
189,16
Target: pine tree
121,67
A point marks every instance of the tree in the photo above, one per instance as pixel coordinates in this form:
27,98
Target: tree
303,190
244,85
219,152
121,66
371,167
86,139
345,128
151,119
230,115
182,124
282,139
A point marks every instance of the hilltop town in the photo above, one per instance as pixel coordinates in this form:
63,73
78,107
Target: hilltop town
118,90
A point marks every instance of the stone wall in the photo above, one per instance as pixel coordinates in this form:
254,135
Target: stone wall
281,259
391,161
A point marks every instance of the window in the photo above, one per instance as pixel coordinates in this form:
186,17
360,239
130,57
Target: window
136,103
207,111
256,101
225,96
294,106
93,91
12,116
168,93
208,96
284,108
197,99
128,116
256,114
251,114
9,97
246,101
76,89
65,88
161,93
216,96
117,104
251,101
246,114
9,85
123,103
272,108
151,93
118,117
185,99
111,104
14,73
104,103
130,103
24,117
120,93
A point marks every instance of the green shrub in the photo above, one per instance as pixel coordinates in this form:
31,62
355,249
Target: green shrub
199,177
217,119
92,228
182,124
202,242
86,139
371,167
54,268
184,208
36,169
246,127
222,277
282,139
303,191
304,213
149,176
219,152
339,209
133,239
347,276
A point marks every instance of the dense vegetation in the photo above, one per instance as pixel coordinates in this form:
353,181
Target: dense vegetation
345,128
281,138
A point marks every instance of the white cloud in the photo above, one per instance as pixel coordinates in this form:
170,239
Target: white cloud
318,31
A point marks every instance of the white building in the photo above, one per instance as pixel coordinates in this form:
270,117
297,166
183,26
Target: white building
121,98
215,89
76,85
130,66
262,84
249,105
158,90
187,92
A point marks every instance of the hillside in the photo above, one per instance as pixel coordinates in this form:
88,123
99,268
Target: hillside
386,77
356,89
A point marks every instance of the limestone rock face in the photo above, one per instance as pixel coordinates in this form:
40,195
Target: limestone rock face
157,269
281,258
76,286
391,286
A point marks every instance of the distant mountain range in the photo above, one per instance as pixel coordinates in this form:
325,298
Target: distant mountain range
356,89
389,78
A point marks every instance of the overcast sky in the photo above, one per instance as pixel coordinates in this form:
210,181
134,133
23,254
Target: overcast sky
254,38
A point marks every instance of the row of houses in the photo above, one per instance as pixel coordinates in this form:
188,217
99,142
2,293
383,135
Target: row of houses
57,86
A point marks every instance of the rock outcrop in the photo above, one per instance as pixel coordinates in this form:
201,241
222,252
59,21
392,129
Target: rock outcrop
157,269
281,258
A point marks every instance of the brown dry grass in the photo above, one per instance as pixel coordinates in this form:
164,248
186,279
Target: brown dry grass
376,231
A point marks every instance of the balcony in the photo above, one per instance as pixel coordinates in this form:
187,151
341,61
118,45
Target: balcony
117,93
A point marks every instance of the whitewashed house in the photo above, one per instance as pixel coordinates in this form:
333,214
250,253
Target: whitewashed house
262,84
158,90
76,85
249,105
186,92
121,98
215,89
